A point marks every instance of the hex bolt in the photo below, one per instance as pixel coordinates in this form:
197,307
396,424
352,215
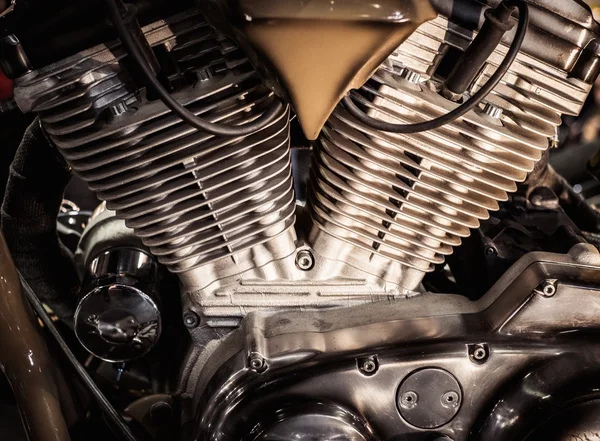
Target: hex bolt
451,399
191,319
305,260
479,353
368,366
409,400
256,363
548,288
491,251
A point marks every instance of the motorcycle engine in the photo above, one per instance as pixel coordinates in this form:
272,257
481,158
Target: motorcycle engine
380,210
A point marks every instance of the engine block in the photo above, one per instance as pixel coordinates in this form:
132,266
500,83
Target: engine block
220,212
407,200
192,197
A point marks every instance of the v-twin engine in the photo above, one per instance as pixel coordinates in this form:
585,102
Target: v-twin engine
382,209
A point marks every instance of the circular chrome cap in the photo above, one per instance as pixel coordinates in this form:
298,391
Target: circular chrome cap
117,322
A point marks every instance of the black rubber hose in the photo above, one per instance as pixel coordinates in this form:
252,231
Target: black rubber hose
145,70
465,107
37,180
498,22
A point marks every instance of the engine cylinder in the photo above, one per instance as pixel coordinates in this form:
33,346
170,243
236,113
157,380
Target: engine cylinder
193,198
395,205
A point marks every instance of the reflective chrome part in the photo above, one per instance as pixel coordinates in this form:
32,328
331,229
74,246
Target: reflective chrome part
304,423
395,205
219,212
105,231
429,398
118,318
193,198
531,339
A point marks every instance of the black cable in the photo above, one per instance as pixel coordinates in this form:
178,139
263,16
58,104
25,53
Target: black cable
468,105
102,401
134,51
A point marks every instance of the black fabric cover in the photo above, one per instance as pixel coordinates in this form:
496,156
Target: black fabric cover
37,180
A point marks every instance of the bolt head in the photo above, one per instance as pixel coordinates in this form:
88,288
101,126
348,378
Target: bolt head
451,399
305,260
256,363
548,289
490,251
369,366
191,319
409,400
479,353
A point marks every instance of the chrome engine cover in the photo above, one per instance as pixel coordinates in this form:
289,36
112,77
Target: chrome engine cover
510,362
220,212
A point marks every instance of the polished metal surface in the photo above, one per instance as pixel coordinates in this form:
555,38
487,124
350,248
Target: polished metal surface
400,203
531,368
219,212
26,362
429,398
104,231
321,49
313,422
562,31
118,318
193,198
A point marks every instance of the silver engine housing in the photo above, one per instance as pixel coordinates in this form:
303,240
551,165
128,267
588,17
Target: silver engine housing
220,212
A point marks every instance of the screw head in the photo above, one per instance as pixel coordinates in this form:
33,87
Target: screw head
548,288
368,365
191,319
491,251
256,363
451,399
479,353
409,400
305,260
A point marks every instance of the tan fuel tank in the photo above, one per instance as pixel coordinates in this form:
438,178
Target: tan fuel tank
320,49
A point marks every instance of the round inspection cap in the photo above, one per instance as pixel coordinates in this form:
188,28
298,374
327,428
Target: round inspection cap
429,398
